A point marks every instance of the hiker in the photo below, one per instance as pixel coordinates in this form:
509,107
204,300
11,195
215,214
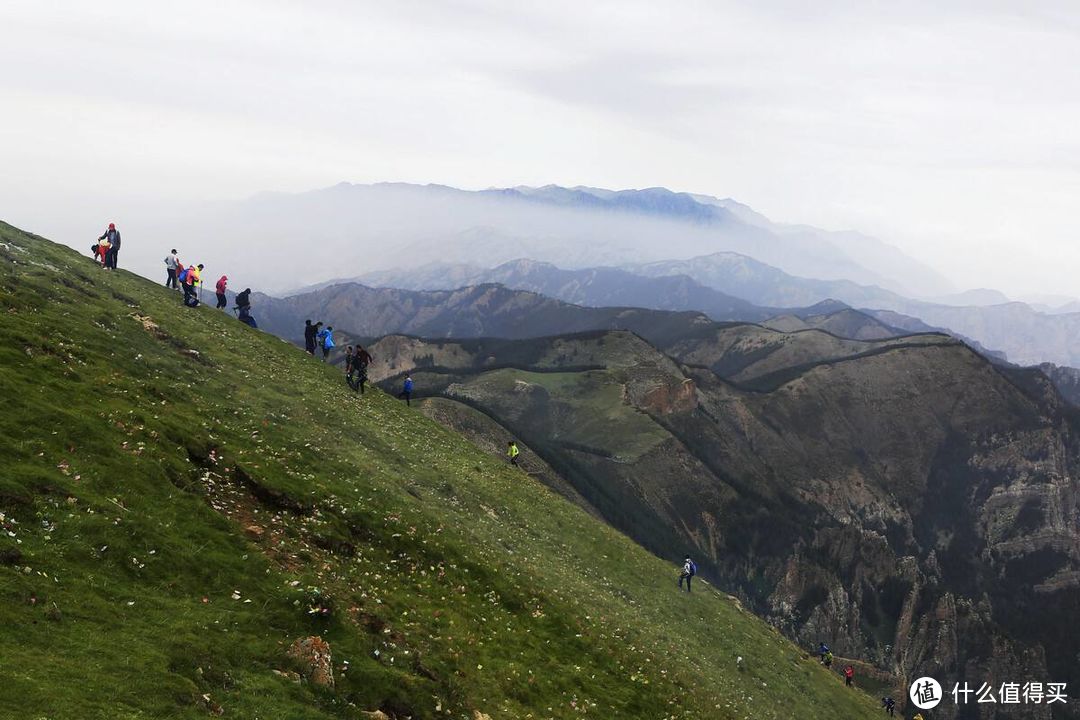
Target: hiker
360,361
103,252
849,676
406,390
512,452
348,362
326,341
219,290
309,337
243,308
243,300
191,278
112,239
172,266
888,704
689,570
362,357
827,659
822,650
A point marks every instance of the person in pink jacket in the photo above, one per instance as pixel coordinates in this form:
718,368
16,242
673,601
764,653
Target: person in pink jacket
220,290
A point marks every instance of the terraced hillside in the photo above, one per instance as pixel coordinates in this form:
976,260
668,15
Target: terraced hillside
184,498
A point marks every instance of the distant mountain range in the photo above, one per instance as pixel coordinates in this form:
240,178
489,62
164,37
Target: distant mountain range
478,311
344,230
1013,330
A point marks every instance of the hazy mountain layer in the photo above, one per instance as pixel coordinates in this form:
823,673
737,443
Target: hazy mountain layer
346,230
1026,336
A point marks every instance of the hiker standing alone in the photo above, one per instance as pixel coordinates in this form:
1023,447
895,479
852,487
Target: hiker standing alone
172,264
112,237
849,676
689,570
512,452
219,290
406,390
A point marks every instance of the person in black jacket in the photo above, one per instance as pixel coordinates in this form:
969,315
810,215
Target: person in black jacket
113,236
309,337
360,361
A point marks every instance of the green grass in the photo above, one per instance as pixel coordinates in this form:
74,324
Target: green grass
141,438
590,406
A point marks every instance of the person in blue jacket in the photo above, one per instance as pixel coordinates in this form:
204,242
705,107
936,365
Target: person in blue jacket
326,341
406,390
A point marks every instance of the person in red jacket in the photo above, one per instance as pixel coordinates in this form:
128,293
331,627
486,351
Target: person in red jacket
220,290
849,675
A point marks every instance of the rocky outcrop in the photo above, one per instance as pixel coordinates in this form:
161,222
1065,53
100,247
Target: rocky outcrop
667,399
312,657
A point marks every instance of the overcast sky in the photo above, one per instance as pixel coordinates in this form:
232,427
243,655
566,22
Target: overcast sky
953,133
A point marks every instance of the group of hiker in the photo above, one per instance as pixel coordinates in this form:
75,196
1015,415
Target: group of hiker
825,656
356,363
318,337
188,278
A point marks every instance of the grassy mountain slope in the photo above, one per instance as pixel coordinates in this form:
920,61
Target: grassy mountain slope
183,497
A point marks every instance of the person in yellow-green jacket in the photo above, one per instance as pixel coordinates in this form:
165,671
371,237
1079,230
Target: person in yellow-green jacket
190,278
512,452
